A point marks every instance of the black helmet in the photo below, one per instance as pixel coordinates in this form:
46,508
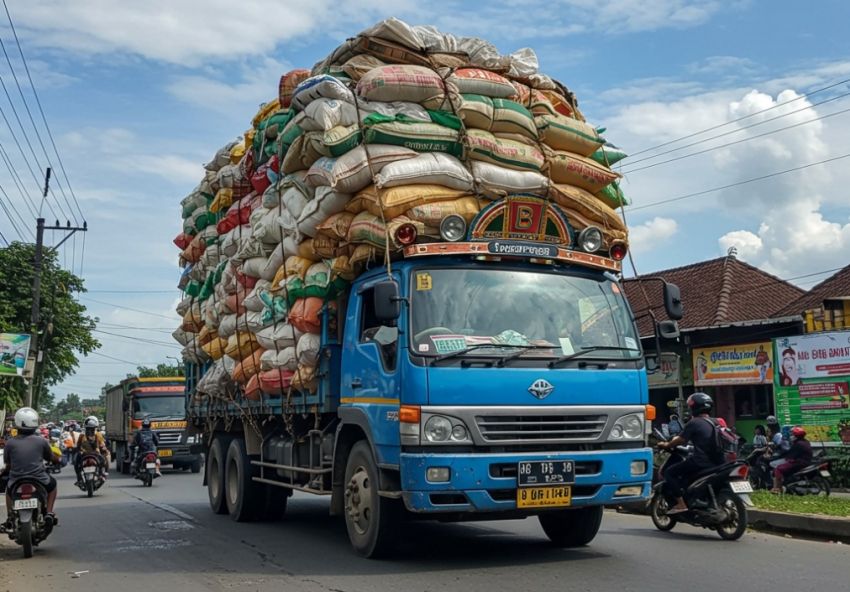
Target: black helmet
700,403
146,422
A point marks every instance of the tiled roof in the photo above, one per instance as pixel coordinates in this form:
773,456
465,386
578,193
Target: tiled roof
835,286
714,292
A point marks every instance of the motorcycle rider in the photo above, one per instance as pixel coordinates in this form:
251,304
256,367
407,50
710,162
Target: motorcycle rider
145,440
699,431
798,456
91,442
777,440
25,455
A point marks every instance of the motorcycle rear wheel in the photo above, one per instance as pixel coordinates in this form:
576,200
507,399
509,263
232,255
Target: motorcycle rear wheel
658,512
25,538
823,485
737,524
89,488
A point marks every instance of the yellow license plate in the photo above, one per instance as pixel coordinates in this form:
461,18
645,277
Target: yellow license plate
164,452
544,497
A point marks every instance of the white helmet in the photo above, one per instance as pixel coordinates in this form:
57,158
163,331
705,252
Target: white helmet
26,418
92,422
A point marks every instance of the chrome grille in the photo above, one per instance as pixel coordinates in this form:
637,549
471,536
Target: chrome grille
169,437
537,428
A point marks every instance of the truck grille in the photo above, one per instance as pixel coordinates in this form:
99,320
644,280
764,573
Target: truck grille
168,438
537,428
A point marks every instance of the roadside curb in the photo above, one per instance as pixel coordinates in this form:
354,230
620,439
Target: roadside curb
830,527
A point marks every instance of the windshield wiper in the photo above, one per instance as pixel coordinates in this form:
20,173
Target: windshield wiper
525,349
587,350
471,348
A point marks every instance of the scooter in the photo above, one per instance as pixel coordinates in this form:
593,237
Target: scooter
717,498
93,478
30,523
761,475
146,468
813,479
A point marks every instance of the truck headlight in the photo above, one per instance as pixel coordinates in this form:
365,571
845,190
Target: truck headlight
443,429
628,427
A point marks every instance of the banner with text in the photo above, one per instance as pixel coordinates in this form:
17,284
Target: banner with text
14,349
812,384
749,363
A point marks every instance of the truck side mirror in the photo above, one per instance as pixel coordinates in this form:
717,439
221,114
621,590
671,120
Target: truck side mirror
387,301
668,329
673,301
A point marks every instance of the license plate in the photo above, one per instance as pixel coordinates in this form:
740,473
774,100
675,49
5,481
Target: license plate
741,486
27,504
534,473
150,466
825,474
89,469
165,452
544,497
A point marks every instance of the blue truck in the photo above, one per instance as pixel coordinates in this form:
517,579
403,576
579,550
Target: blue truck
482,379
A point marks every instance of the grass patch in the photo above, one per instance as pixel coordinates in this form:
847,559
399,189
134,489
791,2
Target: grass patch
802,504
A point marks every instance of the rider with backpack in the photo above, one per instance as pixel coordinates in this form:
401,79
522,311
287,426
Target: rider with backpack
145,440
703,432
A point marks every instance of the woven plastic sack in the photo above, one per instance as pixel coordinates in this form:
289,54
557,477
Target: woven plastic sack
571,169
416,84
485,147
278,337
275,382
247,367
481,82
432,168
304,379
318,87
612,196
308,348
351,173
588,206
608,155
336,225
326,203
241,344
287,248
496,182
215,348
288,83
432,214
360,65
284,358
566,133
394,201
416,135
305,315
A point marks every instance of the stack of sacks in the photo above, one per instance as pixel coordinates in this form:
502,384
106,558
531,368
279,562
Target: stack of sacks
399,125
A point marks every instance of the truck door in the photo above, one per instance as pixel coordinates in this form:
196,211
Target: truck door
370,381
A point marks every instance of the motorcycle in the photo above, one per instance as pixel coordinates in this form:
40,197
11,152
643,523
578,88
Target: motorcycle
717,498
30,523
93,478
761,474
813,479
146,468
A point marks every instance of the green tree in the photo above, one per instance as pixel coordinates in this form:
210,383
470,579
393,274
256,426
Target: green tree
69,408
161,370
65,331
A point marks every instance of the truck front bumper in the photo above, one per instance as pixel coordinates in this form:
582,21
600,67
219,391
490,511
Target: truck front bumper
180,453
487,482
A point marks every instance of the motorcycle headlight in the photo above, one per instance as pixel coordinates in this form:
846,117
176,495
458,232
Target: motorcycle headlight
628,427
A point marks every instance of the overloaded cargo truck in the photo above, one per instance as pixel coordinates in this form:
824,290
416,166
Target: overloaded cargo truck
161,399
402,291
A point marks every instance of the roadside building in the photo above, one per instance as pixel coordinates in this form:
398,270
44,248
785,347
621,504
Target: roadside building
725,347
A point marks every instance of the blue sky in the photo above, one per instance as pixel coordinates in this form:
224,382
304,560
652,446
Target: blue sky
139,96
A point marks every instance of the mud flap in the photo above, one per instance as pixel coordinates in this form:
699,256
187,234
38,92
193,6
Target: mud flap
745,497
24,516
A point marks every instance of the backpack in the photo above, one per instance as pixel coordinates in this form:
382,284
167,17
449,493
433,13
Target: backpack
146,441
725,442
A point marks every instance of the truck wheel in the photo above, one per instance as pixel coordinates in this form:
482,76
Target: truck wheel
371,520
241,492
119,458
274,502
196,465
215,474
571,528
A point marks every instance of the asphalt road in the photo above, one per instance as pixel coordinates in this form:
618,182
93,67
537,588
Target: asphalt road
130,538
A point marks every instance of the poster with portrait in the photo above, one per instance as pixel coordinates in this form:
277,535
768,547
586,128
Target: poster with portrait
812,384
749,363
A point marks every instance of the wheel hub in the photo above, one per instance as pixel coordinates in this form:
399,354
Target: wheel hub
358,500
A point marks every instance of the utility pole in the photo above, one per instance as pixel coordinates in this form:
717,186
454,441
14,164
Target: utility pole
36,282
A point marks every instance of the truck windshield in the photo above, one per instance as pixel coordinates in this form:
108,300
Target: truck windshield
159,407
551,315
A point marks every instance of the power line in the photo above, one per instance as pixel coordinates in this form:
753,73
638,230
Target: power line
154,314
4,238
118,326
41,111
139,339
116,359
27,199
753,180
11,220
765,110
735,131
171,291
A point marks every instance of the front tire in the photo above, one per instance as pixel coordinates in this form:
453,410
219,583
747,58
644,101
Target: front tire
25,538
371,520
571,528
735,527
196,465
658,512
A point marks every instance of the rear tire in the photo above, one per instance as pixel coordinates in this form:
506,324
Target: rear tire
658,512
196,465
25,538
734,505
215,473
274,502
571,528
823,485
89,488
243,495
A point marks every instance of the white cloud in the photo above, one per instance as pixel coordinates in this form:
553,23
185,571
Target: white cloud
723,64
652,234
191,32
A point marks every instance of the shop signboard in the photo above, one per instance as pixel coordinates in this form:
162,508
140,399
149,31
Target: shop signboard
812,384
749,363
